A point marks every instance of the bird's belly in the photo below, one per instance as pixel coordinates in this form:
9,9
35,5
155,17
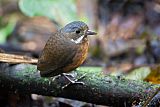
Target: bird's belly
79,58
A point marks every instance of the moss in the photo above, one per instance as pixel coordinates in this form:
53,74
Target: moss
97,86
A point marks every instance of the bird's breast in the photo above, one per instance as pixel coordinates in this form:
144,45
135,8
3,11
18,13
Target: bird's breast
79,57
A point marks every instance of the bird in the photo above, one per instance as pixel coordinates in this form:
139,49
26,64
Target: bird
65,50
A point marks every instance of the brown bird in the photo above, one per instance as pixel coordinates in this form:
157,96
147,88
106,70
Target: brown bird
65,50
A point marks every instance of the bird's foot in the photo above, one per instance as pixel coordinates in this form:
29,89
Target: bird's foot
75,81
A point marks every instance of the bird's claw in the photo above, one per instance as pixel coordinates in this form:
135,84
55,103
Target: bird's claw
76,81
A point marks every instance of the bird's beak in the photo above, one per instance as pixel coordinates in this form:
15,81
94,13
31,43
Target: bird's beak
89,32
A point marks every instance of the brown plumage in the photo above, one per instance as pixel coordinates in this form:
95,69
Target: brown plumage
65,50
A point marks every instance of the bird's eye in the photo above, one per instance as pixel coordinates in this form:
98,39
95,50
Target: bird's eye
77,31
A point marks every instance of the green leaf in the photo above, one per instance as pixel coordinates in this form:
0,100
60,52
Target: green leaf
139,73
6,31
62,11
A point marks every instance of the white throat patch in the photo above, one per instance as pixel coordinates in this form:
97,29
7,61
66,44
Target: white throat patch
78,40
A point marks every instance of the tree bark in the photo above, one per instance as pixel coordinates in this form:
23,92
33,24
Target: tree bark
98,88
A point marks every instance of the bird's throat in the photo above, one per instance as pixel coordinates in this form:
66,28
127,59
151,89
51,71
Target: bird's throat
78,40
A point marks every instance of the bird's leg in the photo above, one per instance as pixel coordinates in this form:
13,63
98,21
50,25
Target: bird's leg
66,75
75,81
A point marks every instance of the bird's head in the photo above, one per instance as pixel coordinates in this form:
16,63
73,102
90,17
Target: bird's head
76,31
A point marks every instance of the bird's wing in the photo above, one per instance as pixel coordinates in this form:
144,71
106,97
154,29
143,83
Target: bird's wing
57,53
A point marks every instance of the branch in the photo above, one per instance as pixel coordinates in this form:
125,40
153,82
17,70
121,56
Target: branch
98,88
14,59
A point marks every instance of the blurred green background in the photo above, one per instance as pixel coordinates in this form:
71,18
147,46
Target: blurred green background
128,31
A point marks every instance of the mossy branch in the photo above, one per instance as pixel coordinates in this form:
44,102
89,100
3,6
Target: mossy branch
98,88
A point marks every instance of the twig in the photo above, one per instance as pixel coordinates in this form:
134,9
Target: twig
151,97
14,59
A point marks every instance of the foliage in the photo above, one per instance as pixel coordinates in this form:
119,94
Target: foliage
62,11
149,74
6,31
139,73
